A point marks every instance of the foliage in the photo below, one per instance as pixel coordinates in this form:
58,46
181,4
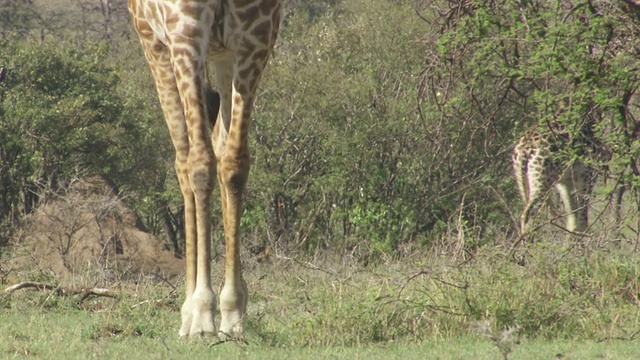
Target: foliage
85,20
58,113
64,114
376,128
350,169
495,68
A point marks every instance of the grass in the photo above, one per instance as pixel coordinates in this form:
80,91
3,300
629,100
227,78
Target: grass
571,302
79,335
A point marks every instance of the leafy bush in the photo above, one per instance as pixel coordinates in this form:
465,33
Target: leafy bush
495,69
59,111
375,127
337,127
64,113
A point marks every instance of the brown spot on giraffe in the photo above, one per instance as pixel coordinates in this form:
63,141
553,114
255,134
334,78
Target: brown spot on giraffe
244,3
266,7
261,31
251,12
259,55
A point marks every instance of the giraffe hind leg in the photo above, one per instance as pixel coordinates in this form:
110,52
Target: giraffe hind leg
520,159
233,169
198,106
523,188
171,103
584,183
537,186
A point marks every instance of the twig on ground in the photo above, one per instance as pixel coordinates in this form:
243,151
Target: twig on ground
157,301
58,290
307,265
28,284
229,338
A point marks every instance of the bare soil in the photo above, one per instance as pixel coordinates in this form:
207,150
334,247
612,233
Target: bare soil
87,234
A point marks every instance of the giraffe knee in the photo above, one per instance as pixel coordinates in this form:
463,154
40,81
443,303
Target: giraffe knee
202,174
233,174
235,181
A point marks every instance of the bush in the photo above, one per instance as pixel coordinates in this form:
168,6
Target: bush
58,113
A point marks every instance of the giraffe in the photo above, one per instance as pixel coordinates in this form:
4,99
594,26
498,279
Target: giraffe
178,38
537,168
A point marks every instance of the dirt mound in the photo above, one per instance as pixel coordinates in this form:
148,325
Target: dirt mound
88,234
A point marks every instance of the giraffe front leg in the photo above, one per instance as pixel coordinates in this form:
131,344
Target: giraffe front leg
201,313
198,310
198,314
233,307
234,293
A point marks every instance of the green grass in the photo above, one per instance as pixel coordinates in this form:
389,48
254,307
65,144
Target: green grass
576,303
81,335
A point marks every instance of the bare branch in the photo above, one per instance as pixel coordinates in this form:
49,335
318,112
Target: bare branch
85,292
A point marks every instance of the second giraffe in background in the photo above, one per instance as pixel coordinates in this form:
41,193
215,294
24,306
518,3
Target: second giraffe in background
537,168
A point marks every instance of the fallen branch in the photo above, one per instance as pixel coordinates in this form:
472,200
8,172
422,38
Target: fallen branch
58,290
27,284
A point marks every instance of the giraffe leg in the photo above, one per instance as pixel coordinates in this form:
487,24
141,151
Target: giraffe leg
617,205
201,170
584,180
237,79
520,179
232,155
569,203
520,171
538,185
527,213
196,175
566,187
171,104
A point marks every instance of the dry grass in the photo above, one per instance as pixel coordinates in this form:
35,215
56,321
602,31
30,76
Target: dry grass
553,289
333,303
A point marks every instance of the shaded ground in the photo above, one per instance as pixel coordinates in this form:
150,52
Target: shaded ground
86,233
